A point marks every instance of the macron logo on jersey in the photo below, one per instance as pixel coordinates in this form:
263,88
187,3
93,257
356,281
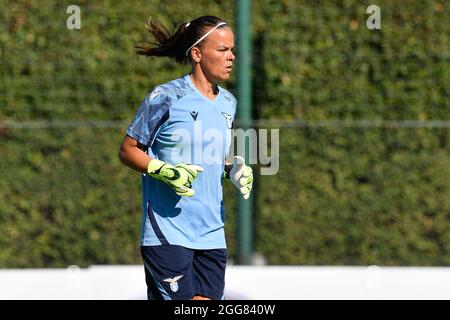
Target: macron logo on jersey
194,115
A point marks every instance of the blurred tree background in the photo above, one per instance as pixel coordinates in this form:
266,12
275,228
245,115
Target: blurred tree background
353,190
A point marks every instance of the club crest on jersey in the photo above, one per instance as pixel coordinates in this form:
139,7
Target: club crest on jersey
173,282
194,115
228,119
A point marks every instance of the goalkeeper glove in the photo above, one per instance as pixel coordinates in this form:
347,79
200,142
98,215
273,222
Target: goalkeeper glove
240,175
179,177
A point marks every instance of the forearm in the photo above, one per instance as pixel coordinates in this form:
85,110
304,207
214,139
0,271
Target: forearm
134,158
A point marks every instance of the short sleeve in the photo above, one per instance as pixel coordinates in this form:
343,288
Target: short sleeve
151,115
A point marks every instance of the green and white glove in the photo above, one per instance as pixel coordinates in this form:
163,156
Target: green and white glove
240,175
179,177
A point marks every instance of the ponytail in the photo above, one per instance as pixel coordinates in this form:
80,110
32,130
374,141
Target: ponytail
176,46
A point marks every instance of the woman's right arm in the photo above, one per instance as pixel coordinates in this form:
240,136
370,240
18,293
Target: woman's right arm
132,155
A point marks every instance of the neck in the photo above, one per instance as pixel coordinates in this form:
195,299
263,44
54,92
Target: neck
203,84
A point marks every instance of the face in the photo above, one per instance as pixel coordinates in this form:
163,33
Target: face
215,55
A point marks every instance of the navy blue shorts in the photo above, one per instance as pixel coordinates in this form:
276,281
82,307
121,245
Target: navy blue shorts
178,273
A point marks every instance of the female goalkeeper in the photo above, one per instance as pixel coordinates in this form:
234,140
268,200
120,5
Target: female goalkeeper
179,139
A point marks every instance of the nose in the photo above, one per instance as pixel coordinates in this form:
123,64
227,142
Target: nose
232,56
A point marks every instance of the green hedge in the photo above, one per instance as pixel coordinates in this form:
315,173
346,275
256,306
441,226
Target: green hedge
353,196
357,197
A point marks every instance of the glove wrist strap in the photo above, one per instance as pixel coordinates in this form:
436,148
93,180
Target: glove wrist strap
155,166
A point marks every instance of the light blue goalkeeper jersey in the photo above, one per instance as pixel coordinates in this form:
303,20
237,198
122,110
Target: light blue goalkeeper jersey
179,124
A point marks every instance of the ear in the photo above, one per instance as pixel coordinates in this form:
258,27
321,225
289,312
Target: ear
196,54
